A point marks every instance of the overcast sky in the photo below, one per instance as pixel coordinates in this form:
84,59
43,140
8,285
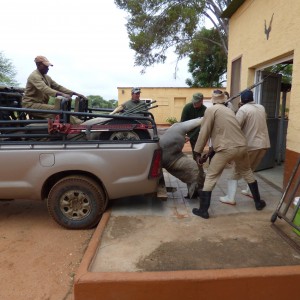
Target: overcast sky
86,40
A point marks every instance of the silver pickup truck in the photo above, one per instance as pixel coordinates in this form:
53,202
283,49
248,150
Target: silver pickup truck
77,169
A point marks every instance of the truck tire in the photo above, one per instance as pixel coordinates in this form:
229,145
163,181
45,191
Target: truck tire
134,135
130,135
77,202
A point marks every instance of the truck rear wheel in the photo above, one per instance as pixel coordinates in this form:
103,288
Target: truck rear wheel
77,202
134,135
128,135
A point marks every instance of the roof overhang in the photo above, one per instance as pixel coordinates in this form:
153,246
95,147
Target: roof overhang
232,8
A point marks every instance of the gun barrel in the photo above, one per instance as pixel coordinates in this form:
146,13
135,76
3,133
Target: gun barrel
256,84
136,109
249,88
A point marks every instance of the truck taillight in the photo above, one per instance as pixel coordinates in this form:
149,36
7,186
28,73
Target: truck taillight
155,170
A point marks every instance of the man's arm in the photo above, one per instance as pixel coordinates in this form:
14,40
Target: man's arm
241,116
205,132
38,82
62,91
117,110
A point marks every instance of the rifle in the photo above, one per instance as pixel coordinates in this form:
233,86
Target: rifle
140,108
248,88
254,85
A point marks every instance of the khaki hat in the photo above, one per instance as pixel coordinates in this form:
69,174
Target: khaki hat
44,60
218,97
197,97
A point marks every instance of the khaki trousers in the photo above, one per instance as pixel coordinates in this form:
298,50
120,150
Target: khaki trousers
73,120
255,157
219,161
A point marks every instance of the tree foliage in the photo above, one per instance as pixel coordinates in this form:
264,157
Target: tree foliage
154,26
285,70
208,61
99,102
7,71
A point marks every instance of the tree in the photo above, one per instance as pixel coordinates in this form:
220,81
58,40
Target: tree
99,102
208,61
154,26
285,70
113,103
7,71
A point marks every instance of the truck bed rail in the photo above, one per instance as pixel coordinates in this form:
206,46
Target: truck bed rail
21,127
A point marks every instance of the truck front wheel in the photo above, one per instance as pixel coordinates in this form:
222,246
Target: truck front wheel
76,202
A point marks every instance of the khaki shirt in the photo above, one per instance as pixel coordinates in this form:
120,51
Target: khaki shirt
40,87
220,124
252,119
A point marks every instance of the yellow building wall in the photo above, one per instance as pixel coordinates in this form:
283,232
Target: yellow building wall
247,39
170,100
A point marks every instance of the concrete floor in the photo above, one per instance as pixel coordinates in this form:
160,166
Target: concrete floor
144,234
273,176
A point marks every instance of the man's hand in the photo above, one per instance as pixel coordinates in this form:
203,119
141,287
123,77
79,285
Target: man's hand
117,109
79,95
67,96
201,159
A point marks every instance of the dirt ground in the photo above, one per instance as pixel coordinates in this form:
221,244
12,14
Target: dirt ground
38,258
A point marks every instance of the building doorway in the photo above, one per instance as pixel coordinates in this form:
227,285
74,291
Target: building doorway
274,94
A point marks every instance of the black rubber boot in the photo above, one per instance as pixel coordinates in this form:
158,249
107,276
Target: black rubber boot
204,205
259,204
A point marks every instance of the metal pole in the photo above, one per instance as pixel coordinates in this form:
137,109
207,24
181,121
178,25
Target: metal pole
281,130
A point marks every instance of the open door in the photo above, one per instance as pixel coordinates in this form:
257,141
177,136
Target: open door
269,97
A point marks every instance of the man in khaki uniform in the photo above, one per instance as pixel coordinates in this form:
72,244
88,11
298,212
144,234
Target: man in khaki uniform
40,87
229,143
252,119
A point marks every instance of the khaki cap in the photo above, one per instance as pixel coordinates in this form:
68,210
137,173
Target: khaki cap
43,60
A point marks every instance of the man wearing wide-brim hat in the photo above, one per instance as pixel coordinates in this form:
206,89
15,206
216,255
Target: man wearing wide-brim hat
229,143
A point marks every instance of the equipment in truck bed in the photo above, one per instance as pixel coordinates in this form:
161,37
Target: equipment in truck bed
10,97
16,124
